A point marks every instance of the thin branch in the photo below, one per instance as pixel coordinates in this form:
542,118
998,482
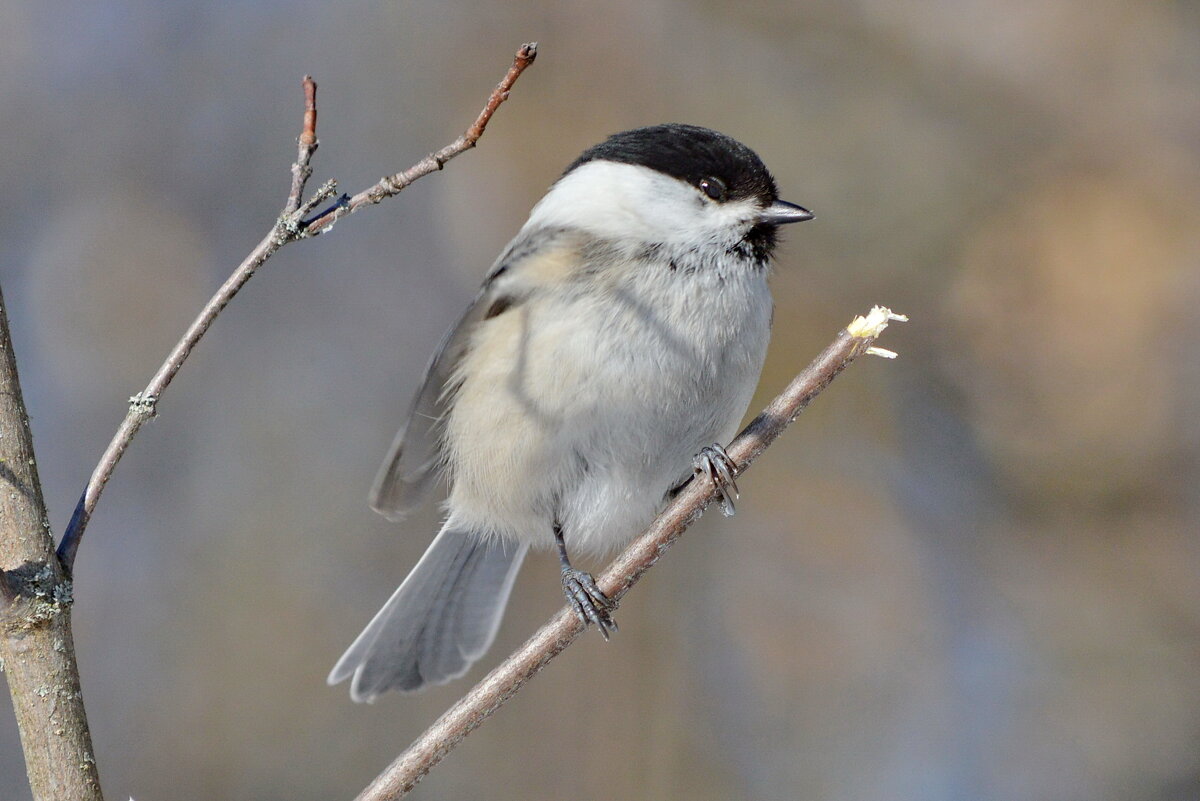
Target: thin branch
392,184
37,652
290,227
307,144
502,683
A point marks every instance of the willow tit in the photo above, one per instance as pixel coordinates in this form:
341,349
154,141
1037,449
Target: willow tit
619,334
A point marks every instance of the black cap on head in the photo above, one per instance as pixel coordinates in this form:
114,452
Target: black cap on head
689,153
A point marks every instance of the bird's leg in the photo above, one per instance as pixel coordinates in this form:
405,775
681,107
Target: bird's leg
583,596
714,463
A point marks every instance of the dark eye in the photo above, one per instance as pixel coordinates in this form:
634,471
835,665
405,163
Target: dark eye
713,187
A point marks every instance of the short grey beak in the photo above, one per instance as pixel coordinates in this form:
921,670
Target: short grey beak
781,212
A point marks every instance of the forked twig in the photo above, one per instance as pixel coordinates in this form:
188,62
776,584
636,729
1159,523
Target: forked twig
290,227
391,184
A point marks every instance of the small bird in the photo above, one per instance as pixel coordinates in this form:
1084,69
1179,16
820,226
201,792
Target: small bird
615,343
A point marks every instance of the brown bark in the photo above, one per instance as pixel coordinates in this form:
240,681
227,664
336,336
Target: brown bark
36,647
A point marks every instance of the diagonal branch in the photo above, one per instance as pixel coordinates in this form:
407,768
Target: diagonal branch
290,227
393,184
503,682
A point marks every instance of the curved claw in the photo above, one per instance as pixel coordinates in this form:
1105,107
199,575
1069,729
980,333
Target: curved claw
588,602
714,463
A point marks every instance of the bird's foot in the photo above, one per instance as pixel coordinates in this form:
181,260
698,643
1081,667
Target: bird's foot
714,463
589,603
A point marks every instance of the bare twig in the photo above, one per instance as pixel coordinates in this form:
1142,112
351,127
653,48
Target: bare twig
307,144
502,683
290,227
392,184
37,652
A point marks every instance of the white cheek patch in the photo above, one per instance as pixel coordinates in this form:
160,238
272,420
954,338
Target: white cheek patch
619,202
720,220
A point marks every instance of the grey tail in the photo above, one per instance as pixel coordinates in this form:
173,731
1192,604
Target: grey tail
440,620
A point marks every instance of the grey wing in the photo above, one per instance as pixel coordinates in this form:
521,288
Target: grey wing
412,464
414,461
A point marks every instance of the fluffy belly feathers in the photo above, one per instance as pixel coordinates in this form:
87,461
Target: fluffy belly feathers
573,417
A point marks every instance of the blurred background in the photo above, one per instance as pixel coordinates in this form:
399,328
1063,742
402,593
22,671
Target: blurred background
973,573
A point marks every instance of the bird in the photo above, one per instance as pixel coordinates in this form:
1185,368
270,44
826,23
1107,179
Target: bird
614,345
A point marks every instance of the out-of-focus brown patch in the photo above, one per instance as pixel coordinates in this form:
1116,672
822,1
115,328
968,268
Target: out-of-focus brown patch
1067,311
